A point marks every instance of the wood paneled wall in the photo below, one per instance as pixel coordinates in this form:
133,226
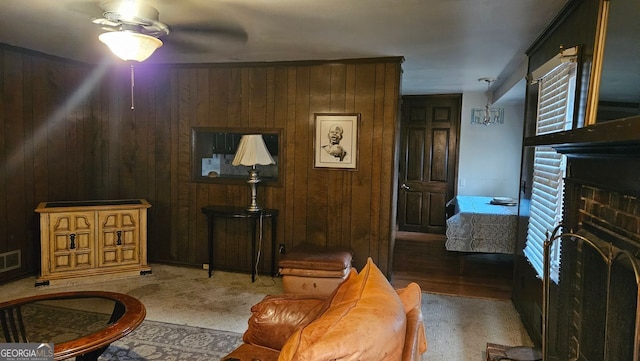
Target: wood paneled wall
68,133
45,145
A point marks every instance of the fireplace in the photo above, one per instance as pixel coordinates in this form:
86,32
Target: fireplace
594,307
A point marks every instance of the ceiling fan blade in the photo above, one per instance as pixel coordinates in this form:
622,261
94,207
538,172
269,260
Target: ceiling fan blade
105,22
183,46
221,31
89,8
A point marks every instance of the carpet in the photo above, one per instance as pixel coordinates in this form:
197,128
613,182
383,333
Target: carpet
457,328
161,341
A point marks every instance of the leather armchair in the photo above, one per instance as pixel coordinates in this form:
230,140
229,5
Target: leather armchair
279,321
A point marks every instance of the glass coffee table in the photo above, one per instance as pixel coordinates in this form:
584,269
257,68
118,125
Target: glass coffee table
80,324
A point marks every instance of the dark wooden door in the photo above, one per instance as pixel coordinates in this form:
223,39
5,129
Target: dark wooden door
429,160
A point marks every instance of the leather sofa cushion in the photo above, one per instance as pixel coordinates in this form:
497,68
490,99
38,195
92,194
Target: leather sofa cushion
275,318
365,321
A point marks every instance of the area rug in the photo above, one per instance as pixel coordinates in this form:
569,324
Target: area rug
154,340
62,324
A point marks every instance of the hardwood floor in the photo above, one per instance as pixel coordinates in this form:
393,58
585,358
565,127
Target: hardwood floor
423,258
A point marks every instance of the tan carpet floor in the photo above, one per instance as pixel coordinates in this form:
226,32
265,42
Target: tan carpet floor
457,328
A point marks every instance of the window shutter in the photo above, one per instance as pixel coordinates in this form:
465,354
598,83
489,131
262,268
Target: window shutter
555,113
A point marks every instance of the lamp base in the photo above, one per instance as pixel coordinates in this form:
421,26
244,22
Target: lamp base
253,181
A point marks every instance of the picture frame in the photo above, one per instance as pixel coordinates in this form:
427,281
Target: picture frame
335,143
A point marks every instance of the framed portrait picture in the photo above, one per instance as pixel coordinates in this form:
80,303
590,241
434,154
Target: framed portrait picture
336,140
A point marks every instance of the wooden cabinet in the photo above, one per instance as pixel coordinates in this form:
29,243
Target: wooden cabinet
106,239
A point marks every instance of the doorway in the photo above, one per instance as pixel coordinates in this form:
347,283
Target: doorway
430,133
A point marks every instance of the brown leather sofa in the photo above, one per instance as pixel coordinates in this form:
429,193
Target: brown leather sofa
363,319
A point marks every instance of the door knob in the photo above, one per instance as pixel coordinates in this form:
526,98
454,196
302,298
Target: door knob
404,186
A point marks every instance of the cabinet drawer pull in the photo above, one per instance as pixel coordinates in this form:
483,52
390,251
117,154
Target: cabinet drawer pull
119,241
72,238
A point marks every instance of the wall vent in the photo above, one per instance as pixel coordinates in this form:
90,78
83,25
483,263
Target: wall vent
10,260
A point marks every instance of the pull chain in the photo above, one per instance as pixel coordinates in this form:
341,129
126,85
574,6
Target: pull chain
132,85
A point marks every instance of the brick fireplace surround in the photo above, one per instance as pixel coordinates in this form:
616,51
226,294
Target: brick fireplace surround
597,297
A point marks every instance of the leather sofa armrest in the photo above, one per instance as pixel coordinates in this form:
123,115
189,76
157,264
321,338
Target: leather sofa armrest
415,342
277,317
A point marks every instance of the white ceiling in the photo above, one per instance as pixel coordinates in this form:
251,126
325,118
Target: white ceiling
447,44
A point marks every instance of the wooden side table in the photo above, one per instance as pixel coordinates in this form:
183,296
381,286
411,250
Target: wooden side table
213,212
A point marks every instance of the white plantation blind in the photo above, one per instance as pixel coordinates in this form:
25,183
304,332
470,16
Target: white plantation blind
552,105
555,113
546,207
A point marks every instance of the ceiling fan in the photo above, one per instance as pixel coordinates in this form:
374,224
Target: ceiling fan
133,30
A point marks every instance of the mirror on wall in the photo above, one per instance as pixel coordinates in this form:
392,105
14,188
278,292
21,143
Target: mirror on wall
213,150
619,88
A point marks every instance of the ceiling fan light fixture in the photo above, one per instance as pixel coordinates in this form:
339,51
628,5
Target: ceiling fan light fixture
128,45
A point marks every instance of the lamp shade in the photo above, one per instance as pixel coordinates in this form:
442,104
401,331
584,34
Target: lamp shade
129,45
252,151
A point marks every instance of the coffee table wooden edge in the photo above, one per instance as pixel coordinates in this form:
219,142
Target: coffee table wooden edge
134,314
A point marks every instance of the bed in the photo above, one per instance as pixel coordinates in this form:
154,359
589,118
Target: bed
482,224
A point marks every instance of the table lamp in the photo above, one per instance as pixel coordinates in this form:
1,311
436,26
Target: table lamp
251,152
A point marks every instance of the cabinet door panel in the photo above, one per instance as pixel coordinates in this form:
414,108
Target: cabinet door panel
71,241
119,237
